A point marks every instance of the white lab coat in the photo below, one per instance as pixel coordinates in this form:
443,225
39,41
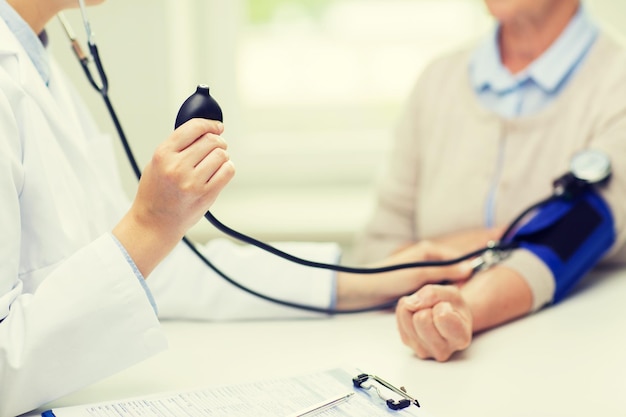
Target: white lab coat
72,310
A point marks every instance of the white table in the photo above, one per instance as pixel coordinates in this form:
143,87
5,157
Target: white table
565,361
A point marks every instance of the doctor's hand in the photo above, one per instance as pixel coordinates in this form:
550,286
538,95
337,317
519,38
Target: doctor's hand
186,174
360,290
435,322
470,240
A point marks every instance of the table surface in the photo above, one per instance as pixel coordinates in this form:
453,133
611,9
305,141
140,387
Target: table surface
568,360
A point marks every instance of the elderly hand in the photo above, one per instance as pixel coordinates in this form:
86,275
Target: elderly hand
435,322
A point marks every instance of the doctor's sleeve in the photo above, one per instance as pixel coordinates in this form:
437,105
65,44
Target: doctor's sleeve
185,288
82,319
78,327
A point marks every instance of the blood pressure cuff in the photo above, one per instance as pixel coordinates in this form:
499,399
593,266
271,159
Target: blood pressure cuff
570,236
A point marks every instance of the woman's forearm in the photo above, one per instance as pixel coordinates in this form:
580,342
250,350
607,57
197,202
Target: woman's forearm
497,296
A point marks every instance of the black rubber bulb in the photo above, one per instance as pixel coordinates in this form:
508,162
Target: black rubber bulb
199,104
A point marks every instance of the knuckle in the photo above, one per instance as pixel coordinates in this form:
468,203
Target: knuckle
466,340
420,351
171,171
428,292
188,186
421,354
221,155
443,309
442,356
212,140
422,318
229,169
215,141
402,306
159,155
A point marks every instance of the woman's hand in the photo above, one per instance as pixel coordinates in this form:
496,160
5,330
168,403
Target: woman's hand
439,320
186,174
364,290
435,322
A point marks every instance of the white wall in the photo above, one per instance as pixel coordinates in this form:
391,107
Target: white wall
156,51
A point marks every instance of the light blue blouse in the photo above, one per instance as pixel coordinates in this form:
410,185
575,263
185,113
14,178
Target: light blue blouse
532,89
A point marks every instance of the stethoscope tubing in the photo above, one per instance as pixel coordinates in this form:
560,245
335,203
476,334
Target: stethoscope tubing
103,88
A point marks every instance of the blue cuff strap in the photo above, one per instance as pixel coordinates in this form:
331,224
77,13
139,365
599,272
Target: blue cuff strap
570,237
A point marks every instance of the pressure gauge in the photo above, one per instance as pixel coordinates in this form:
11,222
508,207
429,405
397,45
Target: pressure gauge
591,166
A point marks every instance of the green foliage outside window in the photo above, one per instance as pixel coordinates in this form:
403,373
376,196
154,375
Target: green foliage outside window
261,11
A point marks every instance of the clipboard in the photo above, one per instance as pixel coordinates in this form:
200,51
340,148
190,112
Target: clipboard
341,392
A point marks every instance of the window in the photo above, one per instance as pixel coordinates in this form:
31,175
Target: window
311,90
319,86
320,83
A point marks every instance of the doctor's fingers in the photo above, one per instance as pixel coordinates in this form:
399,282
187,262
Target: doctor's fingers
205,146
215,184
191,131
428,251
437,274
433,251
215,168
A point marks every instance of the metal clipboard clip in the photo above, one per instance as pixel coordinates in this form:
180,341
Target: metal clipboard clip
362,381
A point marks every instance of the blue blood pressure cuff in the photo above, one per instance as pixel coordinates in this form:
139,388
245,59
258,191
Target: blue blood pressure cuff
570,236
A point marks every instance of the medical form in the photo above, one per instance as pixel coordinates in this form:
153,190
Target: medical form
266,398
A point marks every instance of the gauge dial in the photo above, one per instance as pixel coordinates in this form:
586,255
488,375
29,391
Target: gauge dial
591,165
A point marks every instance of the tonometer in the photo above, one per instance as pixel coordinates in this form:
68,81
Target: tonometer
574,199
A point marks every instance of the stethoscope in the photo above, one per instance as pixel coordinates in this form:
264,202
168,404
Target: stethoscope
484,258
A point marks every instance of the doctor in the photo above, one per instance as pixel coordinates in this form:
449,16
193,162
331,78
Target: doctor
74,305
